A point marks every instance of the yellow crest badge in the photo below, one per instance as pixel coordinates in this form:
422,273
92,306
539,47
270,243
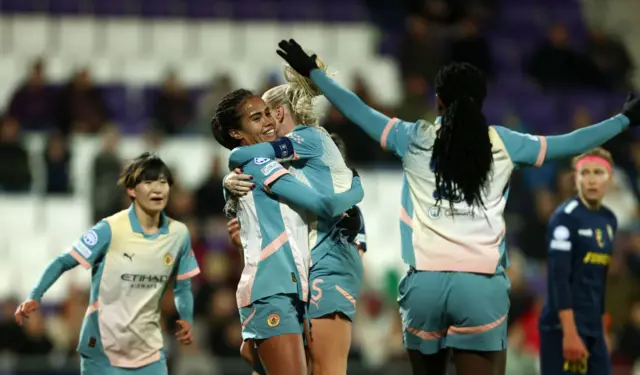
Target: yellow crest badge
273,320
167,260
610,232
599,238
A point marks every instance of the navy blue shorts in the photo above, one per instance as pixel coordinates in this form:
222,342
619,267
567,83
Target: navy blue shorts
553,363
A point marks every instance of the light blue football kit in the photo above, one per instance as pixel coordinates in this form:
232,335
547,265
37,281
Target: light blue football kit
274,286
456,257
130,272
336,269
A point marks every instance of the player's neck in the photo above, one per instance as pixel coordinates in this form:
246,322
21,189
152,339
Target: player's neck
590,205
286,127
150,222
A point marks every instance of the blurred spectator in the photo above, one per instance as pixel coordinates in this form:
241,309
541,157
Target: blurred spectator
32,342
15,172
621,199
270,81
209,196
173,110
107,165
611,58
555,64
57,159
629,342
225,335
32,103
472,47
421,49
221,85
415,103
80,107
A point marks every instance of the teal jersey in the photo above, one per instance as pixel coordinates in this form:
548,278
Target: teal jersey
318,163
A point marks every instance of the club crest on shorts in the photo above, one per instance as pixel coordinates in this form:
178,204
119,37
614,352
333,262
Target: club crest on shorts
168,259
273,320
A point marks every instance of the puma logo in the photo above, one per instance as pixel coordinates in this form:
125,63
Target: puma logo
129,256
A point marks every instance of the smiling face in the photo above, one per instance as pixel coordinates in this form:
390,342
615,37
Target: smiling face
257,123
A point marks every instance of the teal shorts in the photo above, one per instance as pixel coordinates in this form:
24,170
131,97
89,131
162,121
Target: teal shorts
335,282
454,310
92,366
275,315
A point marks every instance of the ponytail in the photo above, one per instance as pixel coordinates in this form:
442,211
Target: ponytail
461,155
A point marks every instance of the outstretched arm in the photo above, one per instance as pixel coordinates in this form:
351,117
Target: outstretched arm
393,134
526,149
183,298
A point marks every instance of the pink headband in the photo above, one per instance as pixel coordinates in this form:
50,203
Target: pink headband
594,159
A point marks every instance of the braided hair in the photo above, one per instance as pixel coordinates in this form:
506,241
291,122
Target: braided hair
461,156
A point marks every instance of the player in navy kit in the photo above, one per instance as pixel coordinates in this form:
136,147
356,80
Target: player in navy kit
580,241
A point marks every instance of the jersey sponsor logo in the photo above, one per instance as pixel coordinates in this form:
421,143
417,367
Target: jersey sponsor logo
599,237
600,259
273,320
82,249
260,161
585,232
436,212
144,281
269,168
561,233
90,238
167,259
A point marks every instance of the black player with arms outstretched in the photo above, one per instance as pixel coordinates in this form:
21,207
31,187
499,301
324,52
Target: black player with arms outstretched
580,242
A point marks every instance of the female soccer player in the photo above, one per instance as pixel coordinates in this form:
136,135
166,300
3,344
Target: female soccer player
580,239
133,255
455,251
243,119
351,226
336,273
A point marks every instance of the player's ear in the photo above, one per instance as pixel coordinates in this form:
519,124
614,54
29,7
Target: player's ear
131,192
236,134
279,113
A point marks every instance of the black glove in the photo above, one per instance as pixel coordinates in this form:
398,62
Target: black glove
350,225
296,57
355,173
631,109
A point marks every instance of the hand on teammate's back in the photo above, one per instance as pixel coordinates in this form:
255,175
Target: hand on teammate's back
238,183
296,57
25,309
184,332
573,349
631,109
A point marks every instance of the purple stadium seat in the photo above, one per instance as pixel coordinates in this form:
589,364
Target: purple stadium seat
113,8
346,11
207,9
115,98
69,7
257,10
161,8
22,6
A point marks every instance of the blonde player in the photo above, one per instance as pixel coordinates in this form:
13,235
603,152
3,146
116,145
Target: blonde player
133,256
